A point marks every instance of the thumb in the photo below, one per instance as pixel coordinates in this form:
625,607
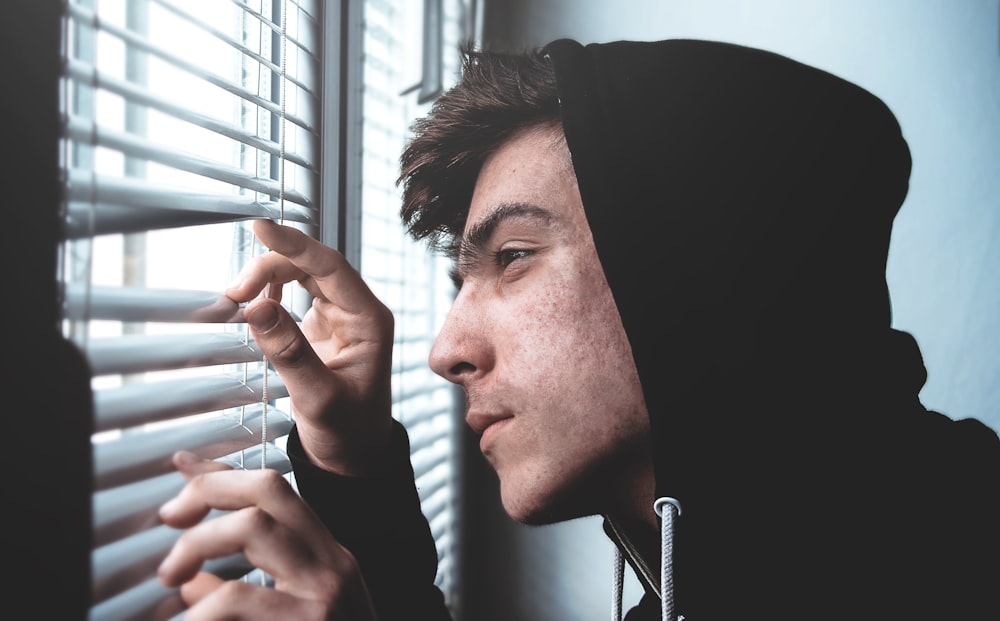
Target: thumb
279,338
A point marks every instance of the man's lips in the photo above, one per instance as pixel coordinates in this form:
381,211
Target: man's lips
480,421
488,437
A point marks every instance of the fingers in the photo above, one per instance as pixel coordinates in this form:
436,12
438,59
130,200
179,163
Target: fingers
199,587
222,310
190,464
277,335
210,598
323,271
273,528
345,312
336,364
229,490
260,272
266,542
268,522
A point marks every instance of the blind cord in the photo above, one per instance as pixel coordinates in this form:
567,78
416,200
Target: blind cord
281,207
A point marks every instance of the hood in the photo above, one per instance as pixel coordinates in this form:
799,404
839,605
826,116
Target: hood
741,204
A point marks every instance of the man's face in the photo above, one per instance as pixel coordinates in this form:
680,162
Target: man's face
536,341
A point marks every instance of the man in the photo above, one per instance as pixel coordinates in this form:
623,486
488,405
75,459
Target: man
670,260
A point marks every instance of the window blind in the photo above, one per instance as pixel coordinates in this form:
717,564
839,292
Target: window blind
183,120
410,49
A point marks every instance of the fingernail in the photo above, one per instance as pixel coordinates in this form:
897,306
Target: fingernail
262,317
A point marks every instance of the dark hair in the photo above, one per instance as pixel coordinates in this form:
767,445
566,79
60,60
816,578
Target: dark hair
499,94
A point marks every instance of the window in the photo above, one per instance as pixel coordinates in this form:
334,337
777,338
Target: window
184,120
403,69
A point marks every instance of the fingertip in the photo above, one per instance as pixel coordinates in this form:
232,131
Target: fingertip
167,510
166,573
264,224
234,288
174,572
185,459
199,587
261,315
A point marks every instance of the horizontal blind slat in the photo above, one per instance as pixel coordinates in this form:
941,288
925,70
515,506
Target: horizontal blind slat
146,453
154,305
137,404
441,526
433,480
308,35
126,563
84,220
156,352
437,507
88,74
306,81
307,39
137,304
435,454
427,432
402,394
88,17
151,601
128,509
100,205
147,601
123,564
423,412
311,8
88,132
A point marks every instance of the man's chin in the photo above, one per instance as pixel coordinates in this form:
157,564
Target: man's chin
538,509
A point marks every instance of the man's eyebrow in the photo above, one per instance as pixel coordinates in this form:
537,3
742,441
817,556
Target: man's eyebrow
472,245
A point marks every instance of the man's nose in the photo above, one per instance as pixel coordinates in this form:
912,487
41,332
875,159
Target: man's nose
462,349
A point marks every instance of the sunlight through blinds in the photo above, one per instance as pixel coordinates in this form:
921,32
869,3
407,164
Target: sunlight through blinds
182,122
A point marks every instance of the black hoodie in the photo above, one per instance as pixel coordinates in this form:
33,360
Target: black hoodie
741,204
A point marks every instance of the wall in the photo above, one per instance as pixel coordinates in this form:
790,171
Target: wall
46,530
936,63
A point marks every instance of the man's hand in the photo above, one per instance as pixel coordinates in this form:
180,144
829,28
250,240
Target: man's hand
338,366
315,577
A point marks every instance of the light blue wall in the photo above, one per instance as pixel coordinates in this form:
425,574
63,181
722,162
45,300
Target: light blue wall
936,63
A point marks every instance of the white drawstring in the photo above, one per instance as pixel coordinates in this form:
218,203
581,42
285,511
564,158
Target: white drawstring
667,518
619,586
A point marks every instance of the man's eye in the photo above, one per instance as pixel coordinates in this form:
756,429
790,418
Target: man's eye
509,255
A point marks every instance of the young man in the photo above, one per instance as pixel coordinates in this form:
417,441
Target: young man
670,259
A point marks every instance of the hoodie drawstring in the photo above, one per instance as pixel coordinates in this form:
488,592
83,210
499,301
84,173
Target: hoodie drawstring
668,510
619,585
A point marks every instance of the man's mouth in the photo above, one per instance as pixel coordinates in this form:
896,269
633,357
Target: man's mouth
488,435
486,425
